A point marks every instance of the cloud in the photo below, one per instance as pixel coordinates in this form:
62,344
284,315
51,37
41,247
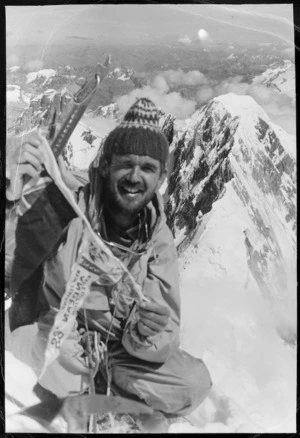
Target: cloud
160,83
204,94
33,65
12,60
185,40
289,51
278,106
264,44
172,103
231,85
179,77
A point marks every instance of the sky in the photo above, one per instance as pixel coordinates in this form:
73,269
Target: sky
94,24
62,24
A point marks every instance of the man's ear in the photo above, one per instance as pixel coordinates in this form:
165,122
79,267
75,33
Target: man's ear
104,168
162,178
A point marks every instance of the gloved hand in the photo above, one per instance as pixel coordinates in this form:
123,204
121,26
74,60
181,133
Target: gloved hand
25,157
153,318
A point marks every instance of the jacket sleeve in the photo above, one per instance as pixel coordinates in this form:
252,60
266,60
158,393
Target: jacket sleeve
161,286
36,235
10,243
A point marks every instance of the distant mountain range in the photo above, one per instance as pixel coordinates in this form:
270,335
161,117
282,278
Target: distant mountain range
280,78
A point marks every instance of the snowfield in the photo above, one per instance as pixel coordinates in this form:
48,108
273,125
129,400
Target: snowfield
14,68
228,323
14,94
46,73
281,79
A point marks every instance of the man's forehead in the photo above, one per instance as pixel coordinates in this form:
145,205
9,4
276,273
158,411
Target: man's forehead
136,159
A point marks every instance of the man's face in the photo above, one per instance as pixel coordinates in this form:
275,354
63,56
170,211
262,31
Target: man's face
131,181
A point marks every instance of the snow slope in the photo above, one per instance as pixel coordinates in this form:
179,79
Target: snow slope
44,74
85,142
14,68
228,323
14,94
280,78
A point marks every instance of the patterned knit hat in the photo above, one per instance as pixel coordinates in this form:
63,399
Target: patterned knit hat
139,133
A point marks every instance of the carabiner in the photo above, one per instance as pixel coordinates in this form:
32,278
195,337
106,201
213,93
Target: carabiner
87,90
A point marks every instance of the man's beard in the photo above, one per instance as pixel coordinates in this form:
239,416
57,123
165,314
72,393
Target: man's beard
115,201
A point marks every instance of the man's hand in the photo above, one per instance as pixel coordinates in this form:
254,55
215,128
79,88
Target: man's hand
24,157
153,318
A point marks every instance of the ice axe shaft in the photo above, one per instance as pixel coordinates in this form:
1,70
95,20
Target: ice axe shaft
81,100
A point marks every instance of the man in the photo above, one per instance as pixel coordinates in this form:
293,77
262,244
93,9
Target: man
123,205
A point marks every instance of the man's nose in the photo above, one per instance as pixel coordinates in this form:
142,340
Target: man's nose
135,174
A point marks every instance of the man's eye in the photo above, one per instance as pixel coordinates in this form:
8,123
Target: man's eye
147,169
124,166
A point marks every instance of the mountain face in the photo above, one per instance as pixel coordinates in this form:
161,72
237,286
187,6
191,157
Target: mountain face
280,78
107,111
23,86
41,109
232,154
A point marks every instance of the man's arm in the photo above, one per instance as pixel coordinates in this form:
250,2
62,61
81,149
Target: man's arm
37,230
161,287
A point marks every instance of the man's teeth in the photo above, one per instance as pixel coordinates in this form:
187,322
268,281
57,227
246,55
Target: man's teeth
131,191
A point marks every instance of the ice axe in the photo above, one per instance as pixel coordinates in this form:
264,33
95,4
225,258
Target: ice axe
81,100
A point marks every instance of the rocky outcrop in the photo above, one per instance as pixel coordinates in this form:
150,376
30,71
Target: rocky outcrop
107,111
279,77
166,123
41,109
201,168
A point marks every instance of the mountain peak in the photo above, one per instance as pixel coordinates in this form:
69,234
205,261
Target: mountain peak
241,106
231,138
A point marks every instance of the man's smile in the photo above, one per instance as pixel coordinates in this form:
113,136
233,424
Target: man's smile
130,191
131,181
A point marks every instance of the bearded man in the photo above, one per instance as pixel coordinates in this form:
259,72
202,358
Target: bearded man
124,208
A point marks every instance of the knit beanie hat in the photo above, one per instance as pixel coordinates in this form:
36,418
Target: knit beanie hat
139,133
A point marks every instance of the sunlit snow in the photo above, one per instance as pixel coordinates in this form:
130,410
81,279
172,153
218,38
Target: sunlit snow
46,73
229,323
